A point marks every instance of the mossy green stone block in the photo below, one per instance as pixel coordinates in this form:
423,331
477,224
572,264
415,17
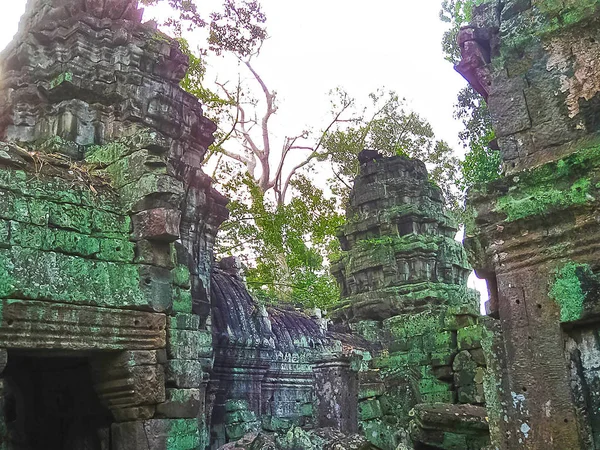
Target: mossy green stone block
454,321
406,344
380,434
64,278
271,423
153,184
7,284
438,397
184,322
567,290
409,325
306,410
116,250
182,300
431,384
33,211
181,276
70,217
184,344
4,233
7,206
441,341
243,415
442,358
369,409
27,235
400,360
236,405
185,374
454,441
105,154
236,431
132,167
370,390
183,434
470,337
109,224
74,243
368,329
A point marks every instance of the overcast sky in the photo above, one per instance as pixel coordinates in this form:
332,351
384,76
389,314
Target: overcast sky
316,45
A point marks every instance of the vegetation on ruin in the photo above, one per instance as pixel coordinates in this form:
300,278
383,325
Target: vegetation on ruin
389,127
552,186
548,17
543,199
481,163
567,292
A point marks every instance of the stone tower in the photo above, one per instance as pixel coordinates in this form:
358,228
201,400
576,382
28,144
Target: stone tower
534,233
399,252
107,225
403,279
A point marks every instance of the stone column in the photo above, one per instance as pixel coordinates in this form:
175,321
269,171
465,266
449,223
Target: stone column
335,396
535,230
3,399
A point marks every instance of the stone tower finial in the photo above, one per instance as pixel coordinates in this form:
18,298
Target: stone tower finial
89,71
399,252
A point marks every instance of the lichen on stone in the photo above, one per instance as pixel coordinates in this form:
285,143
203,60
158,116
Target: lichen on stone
567,292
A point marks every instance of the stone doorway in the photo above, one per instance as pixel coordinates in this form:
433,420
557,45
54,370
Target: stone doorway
50,404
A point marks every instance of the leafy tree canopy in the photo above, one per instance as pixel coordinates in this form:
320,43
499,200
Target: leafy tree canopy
481,163
387,126
238,27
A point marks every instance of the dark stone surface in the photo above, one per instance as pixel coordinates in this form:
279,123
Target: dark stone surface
264,360
532,240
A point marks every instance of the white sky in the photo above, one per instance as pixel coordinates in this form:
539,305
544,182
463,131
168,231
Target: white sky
316,45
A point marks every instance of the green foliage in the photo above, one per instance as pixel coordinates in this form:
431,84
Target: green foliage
554,185
237,28
481,164
283,245
457,13
542,199
194,79
567,292
386,125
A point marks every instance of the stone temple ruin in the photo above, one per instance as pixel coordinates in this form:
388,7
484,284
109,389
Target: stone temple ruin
118,331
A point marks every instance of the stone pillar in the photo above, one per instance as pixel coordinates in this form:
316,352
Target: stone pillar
535,231
335,395
3,400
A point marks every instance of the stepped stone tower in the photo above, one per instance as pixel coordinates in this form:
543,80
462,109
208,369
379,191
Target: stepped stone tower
399,252
403,279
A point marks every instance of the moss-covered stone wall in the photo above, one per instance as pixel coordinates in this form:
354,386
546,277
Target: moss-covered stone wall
107,224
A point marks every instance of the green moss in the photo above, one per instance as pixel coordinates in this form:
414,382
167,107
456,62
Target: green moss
181,276
60,79
553,186
545,18
543,199
183,434
105,154
567,291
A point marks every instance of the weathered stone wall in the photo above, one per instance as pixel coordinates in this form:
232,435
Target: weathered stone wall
403,279
106,223
276,368
534,234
